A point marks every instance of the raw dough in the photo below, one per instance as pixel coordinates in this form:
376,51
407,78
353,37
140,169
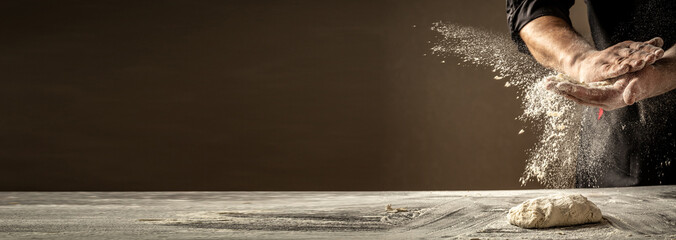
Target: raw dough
554,210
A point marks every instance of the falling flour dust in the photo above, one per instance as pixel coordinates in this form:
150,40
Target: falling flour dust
551,161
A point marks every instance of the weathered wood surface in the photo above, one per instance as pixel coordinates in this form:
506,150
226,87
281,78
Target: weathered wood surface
638,212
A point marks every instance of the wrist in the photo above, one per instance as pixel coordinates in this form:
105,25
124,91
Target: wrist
658,78
666,68
572,64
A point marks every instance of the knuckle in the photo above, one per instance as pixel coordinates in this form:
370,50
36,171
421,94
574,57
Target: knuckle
649,57
653,49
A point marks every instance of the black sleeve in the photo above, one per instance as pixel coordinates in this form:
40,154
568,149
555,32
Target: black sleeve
521,12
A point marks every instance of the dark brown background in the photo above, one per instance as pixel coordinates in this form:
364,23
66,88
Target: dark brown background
250,95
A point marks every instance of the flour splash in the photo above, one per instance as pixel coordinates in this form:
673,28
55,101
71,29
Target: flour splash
551,161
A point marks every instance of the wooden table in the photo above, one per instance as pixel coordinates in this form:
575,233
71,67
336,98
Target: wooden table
637,212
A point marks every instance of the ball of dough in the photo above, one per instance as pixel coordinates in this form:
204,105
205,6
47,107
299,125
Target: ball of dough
554,210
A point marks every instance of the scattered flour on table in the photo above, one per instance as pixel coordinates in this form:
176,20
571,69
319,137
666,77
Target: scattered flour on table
556,121
554,211
397,216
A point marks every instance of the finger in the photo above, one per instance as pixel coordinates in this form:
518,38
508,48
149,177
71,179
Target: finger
634,92
594,95
629,94
657,42
636,65
565,88
550,84
659,53
637,45
614,70
584,95
582,102
624,44
650,59
641,54
638,59
653,46
607,99
574,99
560,88
652,50
625,47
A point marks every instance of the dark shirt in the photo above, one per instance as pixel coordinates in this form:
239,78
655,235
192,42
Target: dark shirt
634,145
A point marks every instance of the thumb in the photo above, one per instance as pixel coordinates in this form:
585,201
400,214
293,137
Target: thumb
631,92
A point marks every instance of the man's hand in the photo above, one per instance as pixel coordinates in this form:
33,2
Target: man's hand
555,44
651,81
606,97
619,59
